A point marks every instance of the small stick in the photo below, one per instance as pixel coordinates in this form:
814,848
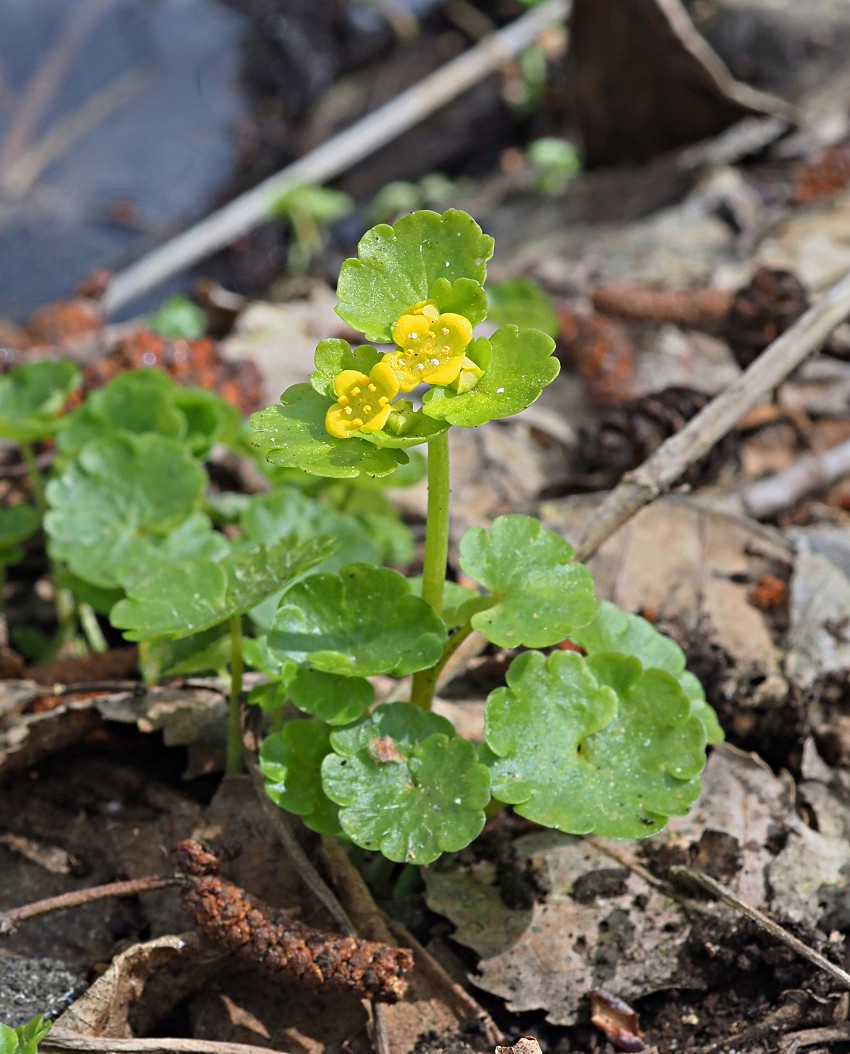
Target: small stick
69,1042
334,156
773,928
661,469
76,898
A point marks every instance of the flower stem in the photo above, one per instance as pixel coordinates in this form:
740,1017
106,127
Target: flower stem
436,553
36,478
233,765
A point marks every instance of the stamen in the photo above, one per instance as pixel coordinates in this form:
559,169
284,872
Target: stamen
343,400
355,391
372,388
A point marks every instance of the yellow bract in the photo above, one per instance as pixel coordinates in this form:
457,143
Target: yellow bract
431,346
363,403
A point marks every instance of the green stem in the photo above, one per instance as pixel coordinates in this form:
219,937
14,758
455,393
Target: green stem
436,553
233,765
91,628
36,478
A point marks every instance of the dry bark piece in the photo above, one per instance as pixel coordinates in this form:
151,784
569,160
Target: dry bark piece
622,437
689,308
762,310
822,175
616,1019
602,353
261,934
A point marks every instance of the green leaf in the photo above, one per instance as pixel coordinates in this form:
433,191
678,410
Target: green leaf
335,355
17,523
8,1040
522,302
323,205
398,266
361,622
137,401
407,785
27,1036
207,652
291,762
599,746
177,600
518,366
538,592
179,319
614,630
120,493
294,435
209,419
32,397
333,699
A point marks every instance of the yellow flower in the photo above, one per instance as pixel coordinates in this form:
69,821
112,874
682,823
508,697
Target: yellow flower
431,346
363,403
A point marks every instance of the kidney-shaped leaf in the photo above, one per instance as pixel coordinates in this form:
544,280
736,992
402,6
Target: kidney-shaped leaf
293,434
290,761
177,600
517,366
407,785
615,630
120,492
593,746
538,592
362,621
399,266
32,397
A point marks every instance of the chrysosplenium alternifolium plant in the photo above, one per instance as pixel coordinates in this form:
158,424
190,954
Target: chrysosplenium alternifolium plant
611,741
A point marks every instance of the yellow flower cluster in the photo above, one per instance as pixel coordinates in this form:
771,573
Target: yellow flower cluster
430,350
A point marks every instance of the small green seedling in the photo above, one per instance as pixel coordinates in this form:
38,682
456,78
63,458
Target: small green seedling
25,1038
609,740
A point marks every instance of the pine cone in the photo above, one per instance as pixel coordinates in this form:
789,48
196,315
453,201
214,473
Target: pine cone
769,304
624,437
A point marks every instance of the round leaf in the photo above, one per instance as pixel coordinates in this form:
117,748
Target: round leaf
593,746
398,266
522,302
518,365
177,600
32,397
117,494
291,761
336,700
294,435
538,593
407,785
335,355
615,630
362,621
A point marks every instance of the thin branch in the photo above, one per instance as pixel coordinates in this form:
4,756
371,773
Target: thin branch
760,919
44,84
76,898
68,1042
658,472
334,156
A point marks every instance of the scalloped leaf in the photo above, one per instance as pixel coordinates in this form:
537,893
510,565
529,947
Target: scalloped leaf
293,434
399,266
522,302
615,630
121,492
407,784
177,600
333,699
539,594
362,622
518,365
593,745
32,397
335,355
290,761
137,401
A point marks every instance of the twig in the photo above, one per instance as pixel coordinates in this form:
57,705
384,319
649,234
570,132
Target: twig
770,495
659,471
814,1037
45,82
70,1042
76,898
334,156
773,928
